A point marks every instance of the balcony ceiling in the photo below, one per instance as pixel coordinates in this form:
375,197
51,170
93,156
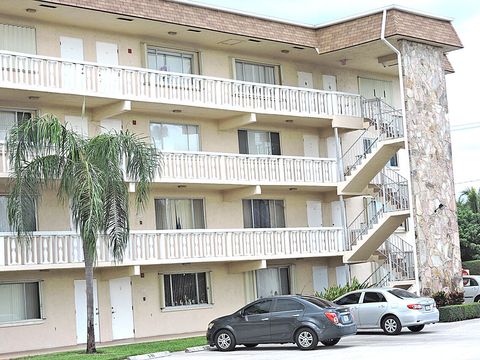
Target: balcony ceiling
362,57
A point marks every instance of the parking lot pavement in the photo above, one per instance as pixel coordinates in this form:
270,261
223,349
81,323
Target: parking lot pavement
458,341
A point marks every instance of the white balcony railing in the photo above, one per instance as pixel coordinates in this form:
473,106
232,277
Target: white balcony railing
207,167
223,168
64,249
41,73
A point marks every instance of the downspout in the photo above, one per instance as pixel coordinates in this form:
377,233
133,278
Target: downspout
402,100
341,177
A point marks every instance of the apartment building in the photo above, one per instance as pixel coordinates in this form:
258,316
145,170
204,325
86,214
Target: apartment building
294,158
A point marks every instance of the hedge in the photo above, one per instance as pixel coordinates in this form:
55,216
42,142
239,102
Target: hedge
451,313
473,266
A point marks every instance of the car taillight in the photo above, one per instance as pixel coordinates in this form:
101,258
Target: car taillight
332,317
415,306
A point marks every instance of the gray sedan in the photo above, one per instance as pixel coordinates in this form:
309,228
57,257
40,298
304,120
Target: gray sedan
302,320
390,309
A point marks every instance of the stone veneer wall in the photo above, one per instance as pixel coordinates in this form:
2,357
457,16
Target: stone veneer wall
428,136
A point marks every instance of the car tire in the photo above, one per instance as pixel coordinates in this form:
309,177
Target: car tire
250,345
416,328
391,325
306,339
224,340
330,342
477,299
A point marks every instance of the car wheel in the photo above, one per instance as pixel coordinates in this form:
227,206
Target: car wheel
391,325
224,340
416,328
250,345
477,299
306,339
330,342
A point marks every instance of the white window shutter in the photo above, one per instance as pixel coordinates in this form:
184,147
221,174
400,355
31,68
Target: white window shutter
161,290
209,287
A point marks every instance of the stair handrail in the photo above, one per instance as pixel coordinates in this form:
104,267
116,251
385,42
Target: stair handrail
399,259
390,129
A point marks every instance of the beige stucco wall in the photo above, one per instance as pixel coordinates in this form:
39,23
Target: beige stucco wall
58,328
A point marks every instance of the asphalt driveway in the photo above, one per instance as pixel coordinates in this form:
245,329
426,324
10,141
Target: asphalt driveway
457,341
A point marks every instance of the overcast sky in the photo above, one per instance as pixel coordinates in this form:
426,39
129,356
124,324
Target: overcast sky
463,86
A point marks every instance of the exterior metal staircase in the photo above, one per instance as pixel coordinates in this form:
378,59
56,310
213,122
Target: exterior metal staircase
395,264
384,212
375,146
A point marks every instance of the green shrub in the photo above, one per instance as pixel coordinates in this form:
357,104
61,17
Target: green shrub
440,298
473,266
451,313
336,291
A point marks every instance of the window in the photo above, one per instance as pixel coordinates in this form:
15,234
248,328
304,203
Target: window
367,145
175,137
11,118
273,281
30,216
394,160
403,294
322,303
186,289
288,305
373,297
261,213
469,282
17,38
349,299
258,142
260,307
258,73
170,60
19,302
171,214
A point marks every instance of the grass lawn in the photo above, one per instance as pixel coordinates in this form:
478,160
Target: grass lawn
123,351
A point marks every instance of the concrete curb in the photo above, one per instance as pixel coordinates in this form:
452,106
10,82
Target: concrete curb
157,355
197,348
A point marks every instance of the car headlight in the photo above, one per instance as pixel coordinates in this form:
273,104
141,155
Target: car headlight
210,325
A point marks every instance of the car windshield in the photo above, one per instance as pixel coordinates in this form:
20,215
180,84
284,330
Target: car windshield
320,302
403,294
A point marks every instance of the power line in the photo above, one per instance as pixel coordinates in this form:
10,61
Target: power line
466,182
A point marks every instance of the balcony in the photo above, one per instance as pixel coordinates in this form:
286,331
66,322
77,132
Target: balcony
239,169
49,250
55,75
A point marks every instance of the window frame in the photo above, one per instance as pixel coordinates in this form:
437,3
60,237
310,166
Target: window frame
40,303
161,123
35,210
204,212
195,64
292,300
277,73
271,143
208,288
360,297
373,302
270,300
277,267
33,113
251,201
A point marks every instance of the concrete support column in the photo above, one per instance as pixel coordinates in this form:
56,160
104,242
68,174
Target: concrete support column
428,136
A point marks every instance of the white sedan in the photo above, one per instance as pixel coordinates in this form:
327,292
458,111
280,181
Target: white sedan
471,288
389,309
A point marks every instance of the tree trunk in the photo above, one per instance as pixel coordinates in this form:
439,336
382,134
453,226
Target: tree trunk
90,306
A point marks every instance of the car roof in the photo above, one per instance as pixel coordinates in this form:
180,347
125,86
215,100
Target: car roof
472,276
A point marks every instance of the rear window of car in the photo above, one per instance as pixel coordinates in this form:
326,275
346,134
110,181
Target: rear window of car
403,294
349,299
320,302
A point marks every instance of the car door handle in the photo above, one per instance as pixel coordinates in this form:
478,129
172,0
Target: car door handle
296,315
265,319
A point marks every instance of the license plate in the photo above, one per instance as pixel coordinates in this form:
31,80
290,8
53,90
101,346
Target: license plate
428,307
345,318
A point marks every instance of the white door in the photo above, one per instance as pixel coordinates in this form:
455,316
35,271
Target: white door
336,214
77,124
331,147
73,76
314,214
122,309
329,82
305,79
108,125
373,88
342,275
311,145
320,278
107,54
81,310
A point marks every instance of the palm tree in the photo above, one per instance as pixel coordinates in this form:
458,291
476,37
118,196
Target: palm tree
90,178
470,197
